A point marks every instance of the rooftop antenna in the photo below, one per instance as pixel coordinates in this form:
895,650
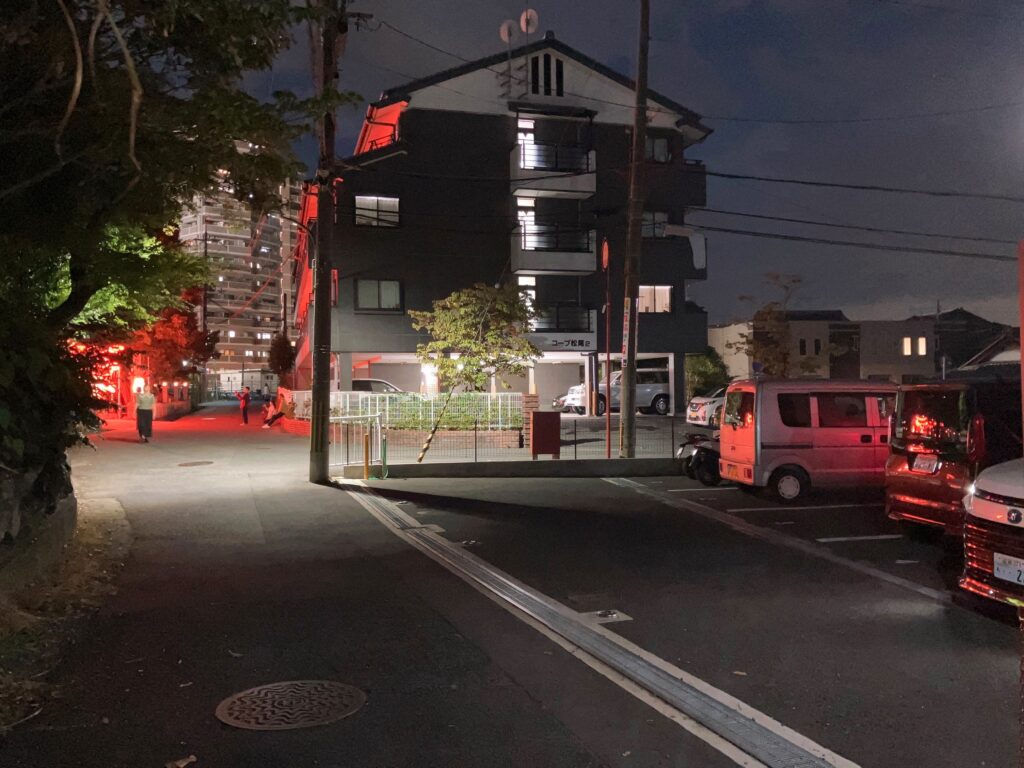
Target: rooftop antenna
508,32
529,22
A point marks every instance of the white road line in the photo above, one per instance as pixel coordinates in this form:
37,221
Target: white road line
777,537
784,508
880,537
694,491
413,533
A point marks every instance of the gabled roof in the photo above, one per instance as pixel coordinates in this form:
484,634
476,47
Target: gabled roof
549,41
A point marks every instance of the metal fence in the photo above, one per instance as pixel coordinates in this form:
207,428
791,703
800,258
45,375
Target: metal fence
351,438
580,438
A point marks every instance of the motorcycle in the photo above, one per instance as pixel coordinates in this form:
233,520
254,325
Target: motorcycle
699,454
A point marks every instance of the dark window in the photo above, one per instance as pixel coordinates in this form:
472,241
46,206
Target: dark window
795,410
535,74
658,150
547,74
817,346
559,77
803,346
360,386
653,224
379,295
842,410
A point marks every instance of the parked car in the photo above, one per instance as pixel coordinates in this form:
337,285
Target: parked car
993,534
791,433
376,386
652,393
703,410
943,435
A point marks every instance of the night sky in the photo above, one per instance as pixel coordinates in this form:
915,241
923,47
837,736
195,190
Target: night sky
788,60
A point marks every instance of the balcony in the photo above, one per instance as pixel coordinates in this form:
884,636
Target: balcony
553,170
553,249
565,327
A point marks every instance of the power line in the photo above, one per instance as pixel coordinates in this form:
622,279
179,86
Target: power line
865,187
852,244
729,118
859,228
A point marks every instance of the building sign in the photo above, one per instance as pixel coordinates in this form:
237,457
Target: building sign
625,328
565,342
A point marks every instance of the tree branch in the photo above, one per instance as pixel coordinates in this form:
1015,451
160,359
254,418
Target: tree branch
133,78
76,88
82,289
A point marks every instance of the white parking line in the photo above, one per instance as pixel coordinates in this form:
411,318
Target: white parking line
782,507
880,537
694,490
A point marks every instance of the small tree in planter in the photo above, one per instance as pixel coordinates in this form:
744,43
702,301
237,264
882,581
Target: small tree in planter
282,356
475,333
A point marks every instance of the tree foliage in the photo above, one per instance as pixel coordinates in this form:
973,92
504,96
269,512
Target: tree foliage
477,333
282,355
706,372
769,341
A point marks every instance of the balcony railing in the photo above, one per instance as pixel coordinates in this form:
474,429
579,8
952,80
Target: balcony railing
556,237
563,318
554,157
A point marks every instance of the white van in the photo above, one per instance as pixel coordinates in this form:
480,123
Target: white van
787,434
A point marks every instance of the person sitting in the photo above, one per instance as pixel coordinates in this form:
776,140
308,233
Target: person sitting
271,414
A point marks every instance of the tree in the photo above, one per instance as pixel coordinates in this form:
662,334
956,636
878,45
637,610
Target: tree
706,372
282,355
114,114
769,342
476,333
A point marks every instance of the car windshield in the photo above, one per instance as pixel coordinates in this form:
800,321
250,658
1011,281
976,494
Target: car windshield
934,418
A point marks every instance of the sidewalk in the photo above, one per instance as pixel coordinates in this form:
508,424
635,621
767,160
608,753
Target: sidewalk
241,574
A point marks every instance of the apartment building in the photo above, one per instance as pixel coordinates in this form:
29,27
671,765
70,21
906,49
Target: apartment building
250,290
513,168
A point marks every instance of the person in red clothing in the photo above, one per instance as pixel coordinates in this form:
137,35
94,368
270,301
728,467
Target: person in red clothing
243,401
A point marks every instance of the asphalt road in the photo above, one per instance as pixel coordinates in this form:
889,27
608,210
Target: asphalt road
824,616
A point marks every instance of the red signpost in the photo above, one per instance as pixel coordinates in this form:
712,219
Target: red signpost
607,350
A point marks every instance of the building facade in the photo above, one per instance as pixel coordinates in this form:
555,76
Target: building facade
250,292
826,344
513,169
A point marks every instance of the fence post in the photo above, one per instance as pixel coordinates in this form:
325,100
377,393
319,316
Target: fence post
476,423
347,435
575,439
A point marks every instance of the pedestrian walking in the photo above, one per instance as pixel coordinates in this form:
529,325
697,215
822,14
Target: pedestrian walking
144,402
243,402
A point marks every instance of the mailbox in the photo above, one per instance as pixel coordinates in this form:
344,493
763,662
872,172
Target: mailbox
545,433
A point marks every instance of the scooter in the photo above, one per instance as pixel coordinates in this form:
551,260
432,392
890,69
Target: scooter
699,454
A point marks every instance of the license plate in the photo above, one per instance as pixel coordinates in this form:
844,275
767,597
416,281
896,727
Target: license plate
926,462
1008,568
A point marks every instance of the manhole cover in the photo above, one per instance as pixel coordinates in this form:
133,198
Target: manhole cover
294,704
194,463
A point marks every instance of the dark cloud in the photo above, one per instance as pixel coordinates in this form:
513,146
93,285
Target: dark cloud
836,59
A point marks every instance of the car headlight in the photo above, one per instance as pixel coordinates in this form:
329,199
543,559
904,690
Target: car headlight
969,498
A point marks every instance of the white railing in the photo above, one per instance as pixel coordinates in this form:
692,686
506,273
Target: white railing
349,436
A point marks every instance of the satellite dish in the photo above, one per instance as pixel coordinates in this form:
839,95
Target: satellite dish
529,21
507,30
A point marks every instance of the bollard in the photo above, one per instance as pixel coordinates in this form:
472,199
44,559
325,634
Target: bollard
476,424
366,456
384,457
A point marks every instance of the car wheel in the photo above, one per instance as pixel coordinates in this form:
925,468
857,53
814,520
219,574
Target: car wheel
579,410
600,405
660,405
789,483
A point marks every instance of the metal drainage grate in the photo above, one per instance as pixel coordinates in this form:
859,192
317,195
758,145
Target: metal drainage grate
194,463
293,704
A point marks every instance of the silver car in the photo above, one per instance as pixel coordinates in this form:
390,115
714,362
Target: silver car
652,393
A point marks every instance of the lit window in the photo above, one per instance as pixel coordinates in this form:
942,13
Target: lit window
655,298
908,346
922,346
654,224
220,278
231,334
249,353
372,211
658,150
530,281
380,295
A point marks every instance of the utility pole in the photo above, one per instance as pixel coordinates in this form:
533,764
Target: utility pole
333,28
634,243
